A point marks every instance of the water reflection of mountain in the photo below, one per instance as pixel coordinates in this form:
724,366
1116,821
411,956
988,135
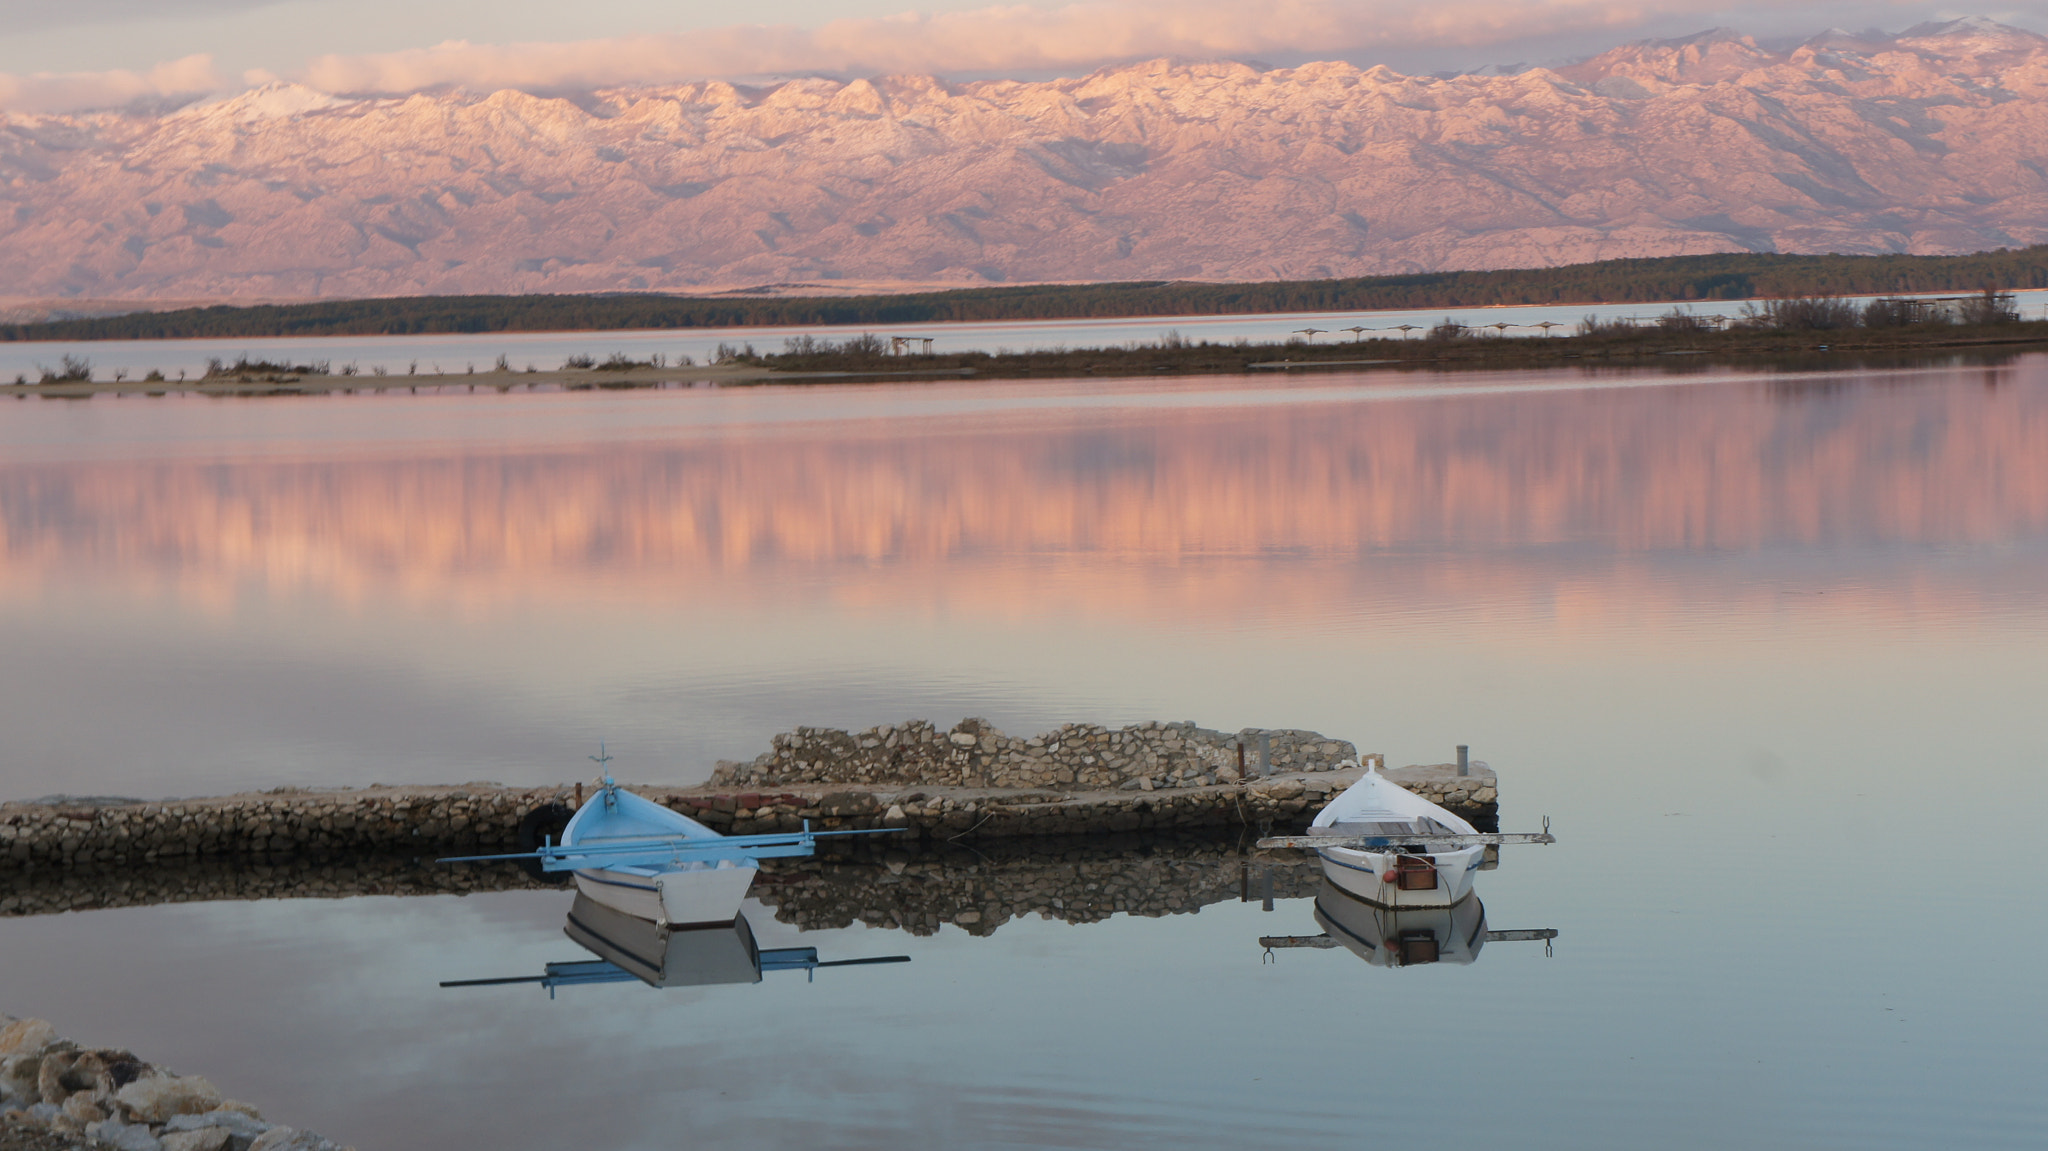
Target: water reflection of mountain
1705,468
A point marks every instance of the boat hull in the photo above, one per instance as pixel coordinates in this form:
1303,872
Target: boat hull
1368,875
1402,936
683,898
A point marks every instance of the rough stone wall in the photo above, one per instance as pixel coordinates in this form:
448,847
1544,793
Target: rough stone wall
74,832
971,782
974,753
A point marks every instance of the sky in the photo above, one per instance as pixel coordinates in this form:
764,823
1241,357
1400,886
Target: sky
84,53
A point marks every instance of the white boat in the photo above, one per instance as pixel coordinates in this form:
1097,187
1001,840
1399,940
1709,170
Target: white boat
1385,870
667,887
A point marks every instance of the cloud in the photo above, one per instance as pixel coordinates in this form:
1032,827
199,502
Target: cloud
70,91
1024,38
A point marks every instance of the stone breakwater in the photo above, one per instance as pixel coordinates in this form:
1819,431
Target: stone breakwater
1145,756
55,1093
479,818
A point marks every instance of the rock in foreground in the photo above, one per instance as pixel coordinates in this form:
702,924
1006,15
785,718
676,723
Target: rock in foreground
55,1094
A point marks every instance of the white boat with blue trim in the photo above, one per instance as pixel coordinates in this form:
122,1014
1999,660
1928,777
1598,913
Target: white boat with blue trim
672,883
635,855
1378,863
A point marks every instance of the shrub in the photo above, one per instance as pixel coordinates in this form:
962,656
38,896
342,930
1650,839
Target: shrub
1992,307
1595,326
1890,312
1802,314
73,370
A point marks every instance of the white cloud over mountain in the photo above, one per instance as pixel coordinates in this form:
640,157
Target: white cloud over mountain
65,91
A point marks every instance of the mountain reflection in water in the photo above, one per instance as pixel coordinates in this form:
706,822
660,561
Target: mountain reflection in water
707,507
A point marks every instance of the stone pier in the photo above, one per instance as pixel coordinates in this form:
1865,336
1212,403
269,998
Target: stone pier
971,782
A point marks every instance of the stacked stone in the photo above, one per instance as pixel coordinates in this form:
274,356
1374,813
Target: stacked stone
107,1098
974,753
970,781
69,832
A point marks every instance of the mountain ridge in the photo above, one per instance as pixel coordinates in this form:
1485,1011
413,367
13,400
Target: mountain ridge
1932,141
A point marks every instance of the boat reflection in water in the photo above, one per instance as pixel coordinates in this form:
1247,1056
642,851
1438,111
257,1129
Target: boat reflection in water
1402,936
630,948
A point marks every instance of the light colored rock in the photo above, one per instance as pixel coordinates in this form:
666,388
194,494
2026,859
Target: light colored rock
245,1128
291,1139
18,1076
26,1036
123,1136
202,1139
962,739
156,1098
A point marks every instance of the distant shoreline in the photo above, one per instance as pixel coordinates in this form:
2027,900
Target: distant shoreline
1807,349
1651,282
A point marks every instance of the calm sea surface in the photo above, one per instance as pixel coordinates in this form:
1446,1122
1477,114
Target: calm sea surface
1768,649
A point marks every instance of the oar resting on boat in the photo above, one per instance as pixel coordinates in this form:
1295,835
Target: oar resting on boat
635,855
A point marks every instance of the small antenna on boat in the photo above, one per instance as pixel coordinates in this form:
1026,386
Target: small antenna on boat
604,775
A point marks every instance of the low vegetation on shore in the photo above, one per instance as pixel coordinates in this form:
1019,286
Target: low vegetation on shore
1792,330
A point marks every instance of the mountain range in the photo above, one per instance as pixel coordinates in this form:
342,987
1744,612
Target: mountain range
1934,140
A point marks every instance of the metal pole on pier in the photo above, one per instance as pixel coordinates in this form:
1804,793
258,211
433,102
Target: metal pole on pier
1464,760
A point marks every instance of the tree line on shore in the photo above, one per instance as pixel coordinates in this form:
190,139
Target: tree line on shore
1675,278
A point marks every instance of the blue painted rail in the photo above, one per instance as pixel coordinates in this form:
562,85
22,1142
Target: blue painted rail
657,849
583,972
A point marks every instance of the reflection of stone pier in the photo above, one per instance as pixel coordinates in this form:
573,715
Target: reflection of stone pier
1075,880
971,782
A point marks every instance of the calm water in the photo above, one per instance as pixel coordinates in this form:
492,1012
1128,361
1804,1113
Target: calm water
1766,648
